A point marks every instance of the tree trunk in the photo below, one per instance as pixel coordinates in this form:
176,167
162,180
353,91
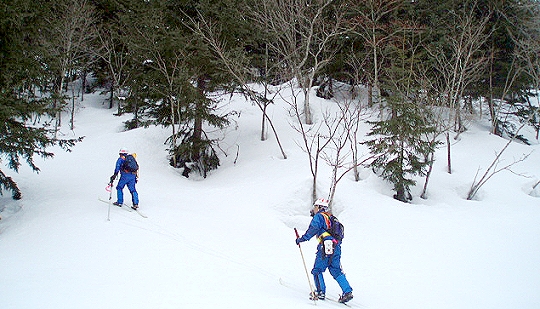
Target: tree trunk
111,98
428,174
72,118
449,161
198,121
307,109
263,120
83,84
174,137
370,95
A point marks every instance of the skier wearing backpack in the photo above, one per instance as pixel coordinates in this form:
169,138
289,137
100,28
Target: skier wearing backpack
128,176
328,252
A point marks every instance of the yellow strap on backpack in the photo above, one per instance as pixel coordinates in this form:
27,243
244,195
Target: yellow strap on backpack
326,217
137,172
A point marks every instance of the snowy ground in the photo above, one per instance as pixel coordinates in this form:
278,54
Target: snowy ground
228,241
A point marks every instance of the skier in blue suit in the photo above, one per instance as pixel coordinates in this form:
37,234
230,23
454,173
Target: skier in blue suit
126,178
328,252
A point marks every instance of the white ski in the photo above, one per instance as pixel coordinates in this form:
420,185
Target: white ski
126,208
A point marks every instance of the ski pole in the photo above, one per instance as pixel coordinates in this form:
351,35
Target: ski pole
109,188
305,268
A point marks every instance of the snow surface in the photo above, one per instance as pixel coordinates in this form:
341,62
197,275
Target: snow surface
228,241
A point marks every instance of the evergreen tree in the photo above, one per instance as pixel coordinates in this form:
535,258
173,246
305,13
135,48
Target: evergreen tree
172,77
509,85
399,142
399,147
20,76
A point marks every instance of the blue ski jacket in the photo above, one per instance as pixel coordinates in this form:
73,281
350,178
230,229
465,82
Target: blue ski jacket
317,227
119,164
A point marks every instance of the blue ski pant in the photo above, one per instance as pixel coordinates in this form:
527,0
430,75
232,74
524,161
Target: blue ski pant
128,179
333,263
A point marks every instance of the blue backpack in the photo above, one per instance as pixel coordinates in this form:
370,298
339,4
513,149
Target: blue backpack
130,165
337,230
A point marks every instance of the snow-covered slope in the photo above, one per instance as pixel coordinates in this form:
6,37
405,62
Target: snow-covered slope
228,241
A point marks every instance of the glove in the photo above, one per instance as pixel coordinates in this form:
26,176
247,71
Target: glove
298,240
112,178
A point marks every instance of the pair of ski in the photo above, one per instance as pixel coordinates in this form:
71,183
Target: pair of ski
125,207
327,298
331,299
337,301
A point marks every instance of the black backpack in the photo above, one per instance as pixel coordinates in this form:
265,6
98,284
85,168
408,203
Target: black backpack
337,230
130,165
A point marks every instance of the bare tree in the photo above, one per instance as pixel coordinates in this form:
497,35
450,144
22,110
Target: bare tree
337,152
66,38
495,104
524,61
334,140
368,24
494,168
341,154
434,113
235,65
115,54
313,140
459,62
301,34
355,116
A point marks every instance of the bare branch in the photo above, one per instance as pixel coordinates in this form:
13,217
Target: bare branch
205,30
492,169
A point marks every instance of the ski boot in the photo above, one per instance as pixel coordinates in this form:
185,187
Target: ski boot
345,297
317,296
